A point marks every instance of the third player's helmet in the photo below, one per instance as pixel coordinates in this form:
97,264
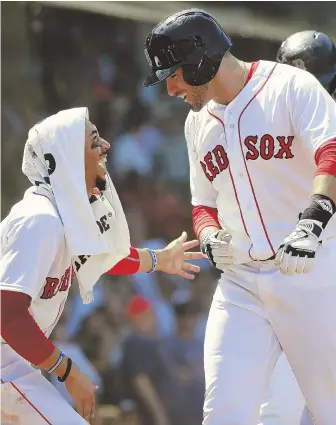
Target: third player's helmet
315,49
191,39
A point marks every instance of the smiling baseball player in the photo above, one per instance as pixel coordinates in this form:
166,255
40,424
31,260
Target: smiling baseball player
315,52
262,148
71,209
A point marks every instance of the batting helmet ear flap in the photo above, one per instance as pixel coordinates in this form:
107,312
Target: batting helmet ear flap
205,71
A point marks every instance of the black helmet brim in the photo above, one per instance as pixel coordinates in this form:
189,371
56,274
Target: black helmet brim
160,75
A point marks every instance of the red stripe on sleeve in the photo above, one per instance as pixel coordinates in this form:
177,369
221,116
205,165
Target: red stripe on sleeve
129,265
19,329
325,158
202,217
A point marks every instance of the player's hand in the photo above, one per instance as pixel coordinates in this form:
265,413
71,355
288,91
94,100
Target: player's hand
172,259
82,392
296,255
217,247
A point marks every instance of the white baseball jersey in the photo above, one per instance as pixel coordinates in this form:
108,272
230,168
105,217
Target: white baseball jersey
34,258
253,160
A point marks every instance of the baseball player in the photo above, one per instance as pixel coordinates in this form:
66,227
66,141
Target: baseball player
314,52
71,209
261,139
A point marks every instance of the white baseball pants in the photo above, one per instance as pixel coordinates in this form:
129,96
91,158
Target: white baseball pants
27,398
284,403
256,312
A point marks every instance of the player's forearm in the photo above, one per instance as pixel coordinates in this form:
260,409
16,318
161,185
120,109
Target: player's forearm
22,334
50,361
204,220
139,261
129,265
19,329
325,181
322,202
146,259
207,230
324,184
323,199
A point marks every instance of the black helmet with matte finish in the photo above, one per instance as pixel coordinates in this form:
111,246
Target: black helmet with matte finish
191,39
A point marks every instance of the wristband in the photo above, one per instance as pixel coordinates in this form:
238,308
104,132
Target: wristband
154,260
58,362
320,209
67,371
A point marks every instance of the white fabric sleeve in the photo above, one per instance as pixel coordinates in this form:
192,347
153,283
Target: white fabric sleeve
313,111
202,191
30,246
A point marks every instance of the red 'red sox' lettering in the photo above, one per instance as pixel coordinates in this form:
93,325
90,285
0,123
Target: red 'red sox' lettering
53,284
267,147
217,155
285,147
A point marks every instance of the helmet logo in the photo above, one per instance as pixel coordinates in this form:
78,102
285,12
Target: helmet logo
157,61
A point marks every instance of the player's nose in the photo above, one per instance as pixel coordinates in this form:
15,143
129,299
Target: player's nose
104,145
171,87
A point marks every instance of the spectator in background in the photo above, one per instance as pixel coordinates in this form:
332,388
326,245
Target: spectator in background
96,338
78,311
172,159
184,353
135,149
128,413
146,375
149,286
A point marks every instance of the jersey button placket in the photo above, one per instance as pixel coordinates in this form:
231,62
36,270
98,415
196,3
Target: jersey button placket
245,196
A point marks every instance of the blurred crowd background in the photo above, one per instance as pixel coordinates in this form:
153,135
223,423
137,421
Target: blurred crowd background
141,340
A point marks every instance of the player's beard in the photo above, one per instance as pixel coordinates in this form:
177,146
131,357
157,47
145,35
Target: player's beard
198,95
101,184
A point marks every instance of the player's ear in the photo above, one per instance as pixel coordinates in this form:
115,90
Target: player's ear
298,63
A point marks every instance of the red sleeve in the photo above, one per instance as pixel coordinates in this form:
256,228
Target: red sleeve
203,217
129,265
19,329
325,158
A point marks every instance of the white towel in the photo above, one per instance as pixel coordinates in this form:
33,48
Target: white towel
53,161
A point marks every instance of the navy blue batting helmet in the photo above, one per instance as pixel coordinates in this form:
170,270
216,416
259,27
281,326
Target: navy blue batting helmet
191,39
315,49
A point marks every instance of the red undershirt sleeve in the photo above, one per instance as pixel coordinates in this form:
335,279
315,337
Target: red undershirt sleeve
127,266
325,158
19,329
202,217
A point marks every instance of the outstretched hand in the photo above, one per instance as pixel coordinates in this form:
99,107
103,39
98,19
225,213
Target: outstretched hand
173,258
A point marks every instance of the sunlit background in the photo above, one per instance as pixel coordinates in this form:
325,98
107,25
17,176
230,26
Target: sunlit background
58,55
